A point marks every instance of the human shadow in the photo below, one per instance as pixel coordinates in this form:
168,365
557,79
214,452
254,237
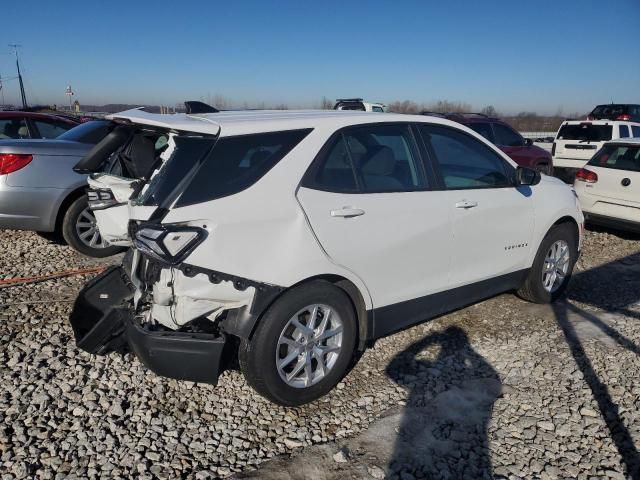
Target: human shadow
443,432
601,287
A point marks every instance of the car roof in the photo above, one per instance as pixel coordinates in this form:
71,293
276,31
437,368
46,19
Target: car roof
35,115
599,122
255,121
625,141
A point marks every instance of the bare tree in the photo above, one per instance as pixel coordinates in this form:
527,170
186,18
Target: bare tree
489,111
326,104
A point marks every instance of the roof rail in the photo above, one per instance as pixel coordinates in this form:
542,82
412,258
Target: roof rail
338,100
434,114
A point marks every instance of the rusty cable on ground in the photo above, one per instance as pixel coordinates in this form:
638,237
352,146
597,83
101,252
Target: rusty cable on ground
13,282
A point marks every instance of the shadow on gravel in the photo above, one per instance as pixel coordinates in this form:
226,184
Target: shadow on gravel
611,287
443,433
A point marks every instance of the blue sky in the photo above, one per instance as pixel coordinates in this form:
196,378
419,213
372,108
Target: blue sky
515,55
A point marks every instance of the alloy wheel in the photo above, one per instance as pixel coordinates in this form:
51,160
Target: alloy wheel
87,230
556,266
309,345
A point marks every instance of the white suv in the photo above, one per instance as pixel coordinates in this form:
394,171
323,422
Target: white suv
578,140
295,239
608,185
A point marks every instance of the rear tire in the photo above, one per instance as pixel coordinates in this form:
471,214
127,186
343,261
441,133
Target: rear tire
81,233
548,278
279,347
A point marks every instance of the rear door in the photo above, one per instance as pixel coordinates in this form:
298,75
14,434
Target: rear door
370,203
492,220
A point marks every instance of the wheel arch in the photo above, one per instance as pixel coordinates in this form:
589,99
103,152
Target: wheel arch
365,329
64,206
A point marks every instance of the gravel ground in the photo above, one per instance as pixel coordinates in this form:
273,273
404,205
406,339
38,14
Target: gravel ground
502,388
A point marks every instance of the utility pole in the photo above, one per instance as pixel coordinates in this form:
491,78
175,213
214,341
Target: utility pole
22,94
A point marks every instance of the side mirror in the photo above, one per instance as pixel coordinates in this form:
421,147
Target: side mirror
527,176
528,142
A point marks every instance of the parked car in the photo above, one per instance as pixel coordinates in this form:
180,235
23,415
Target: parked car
578,140
616,111
520,149
304,236
40,191
607,186
358,104
18,125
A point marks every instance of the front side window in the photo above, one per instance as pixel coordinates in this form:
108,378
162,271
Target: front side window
617,157
635,131
465,162
13,128
507,137
51,129
624,131
235,163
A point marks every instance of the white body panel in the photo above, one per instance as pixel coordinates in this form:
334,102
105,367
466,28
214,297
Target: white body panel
399,237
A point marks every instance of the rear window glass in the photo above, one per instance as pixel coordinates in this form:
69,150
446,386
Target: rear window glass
619,157
585,132
89,132
610,111
236,163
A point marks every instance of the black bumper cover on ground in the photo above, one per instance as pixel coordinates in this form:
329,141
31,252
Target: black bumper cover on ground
102,322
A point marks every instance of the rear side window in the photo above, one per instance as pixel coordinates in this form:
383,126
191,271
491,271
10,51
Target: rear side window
618,157
370,159
51,129
507,137
585,132
635,131
465,162
624,131
90,132
236,163
483,129
13,128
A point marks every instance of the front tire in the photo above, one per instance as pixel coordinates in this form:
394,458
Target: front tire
80,231
551,271
303,345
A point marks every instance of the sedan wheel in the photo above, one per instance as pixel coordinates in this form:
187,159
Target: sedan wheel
87,230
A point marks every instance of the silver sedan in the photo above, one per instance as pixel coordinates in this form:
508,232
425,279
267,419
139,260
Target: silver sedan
40,191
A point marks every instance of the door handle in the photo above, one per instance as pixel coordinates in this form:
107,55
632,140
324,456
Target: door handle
466,204
347,212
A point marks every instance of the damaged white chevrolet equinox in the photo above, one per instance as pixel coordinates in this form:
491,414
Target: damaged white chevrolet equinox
295,239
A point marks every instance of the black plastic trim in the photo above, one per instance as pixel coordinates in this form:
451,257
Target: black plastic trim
611,222
195,357
392,318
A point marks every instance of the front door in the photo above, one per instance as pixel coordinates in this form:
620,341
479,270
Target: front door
492,220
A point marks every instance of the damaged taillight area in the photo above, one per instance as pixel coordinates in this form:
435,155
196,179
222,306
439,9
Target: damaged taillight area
168,244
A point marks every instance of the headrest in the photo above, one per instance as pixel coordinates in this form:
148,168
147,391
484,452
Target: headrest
381,162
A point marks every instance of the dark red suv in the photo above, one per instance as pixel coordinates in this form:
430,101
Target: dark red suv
520,149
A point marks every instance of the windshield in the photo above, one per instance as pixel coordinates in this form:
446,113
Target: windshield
618,157
89,132
585,132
